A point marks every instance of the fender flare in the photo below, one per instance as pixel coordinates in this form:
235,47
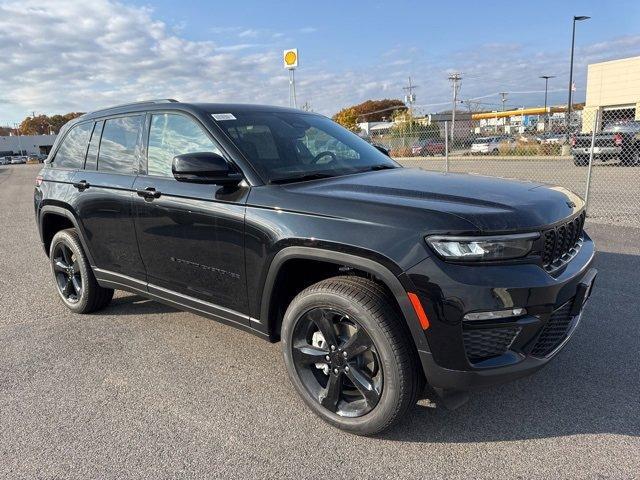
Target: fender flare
370,266
67,213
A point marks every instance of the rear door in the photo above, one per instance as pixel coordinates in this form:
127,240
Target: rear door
191,236
67,160
104,200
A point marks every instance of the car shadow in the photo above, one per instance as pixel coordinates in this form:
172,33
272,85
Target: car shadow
592,387
133,304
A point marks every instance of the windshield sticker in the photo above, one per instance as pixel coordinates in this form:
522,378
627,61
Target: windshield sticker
223,116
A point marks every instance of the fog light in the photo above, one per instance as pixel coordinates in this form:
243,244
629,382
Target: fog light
495,315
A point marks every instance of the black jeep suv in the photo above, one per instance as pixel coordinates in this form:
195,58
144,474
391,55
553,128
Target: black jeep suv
376,278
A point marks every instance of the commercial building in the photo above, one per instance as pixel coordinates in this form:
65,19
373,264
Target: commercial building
29,144
613,91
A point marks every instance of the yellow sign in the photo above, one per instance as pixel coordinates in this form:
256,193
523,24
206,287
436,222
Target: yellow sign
290,58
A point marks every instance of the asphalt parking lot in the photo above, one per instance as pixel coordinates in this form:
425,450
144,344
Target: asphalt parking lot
142,390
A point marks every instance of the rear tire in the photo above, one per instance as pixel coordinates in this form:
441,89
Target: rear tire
580,161
387,363
72,275
632,161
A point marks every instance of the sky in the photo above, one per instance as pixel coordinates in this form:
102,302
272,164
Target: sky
63,55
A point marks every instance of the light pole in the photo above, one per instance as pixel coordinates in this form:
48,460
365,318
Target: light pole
573,41
546,87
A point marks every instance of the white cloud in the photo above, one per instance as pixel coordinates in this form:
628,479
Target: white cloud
62,55
250,32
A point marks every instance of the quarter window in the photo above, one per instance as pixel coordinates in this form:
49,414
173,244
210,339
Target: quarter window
119,144
172,135
74,147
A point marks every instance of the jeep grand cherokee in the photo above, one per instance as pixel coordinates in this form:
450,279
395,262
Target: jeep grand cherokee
375,278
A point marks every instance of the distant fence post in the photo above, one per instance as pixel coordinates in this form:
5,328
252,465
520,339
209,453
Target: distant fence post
446,145
593,142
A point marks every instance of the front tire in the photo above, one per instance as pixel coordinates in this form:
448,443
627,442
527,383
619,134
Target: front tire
350,356
72,275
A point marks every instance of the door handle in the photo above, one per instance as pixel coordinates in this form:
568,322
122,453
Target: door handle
149,193
82,185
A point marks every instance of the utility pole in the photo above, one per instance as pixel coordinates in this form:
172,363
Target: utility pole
504,98
410,97
455,79
19,140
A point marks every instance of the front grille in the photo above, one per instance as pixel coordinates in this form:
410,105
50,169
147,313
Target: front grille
484,343
562,243
554,332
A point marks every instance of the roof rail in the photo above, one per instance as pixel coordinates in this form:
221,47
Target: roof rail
141,102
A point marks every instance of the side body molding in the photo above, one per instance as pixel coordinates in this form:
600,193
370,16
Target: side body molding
340,258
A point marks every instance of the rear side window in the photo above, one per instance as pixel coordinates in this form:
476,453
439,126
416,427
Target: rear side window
74,147
119,144
172,135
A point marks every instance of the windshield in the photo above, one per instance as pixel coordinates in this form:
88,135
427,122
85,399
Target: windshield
629,127
285,146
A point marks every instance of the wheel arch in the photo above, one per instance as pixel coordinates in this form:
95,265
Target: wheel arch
52,219
367,265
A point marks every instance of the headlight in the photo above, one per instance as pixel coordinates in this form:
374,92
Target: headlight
501,247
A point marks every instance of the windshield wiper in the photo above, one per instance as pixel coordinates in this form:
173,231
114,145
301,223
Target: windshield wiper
382,166
302,178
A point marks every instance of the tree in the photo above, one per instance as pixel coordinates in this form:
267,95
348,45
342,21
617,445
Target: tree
348,118
372,110
44,125
406,124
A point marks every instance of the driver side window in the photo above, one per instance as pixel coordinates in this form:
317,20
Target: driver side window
172,135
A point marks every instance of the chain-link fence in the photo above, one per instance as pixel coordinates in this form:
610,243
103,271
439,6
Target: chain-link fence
597,155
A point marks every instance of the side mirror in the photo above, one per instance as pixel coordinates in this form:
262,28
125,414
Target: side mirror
204,167
383,150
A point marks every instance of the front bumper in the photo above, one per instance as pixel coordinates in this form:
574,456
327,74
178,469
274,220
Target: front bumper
553,302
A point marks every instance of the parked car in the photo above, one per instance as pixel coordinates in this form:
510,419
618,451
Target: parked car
426,147
18,159
619,141
552,138
490,145
5,160
375,278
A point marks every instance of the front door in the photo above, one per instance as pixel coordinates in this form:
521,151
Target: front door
191,236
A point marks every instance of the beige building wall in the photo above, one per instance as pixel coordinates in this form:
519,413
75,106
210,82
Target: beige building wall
612,84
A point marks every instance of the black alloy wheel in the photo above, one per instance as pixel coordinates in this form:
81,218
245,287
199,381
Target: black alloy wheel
349,354
337,362
67,273
73,276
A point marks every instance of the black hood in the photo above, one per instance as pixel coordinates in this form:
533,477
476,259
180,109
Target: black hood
490,203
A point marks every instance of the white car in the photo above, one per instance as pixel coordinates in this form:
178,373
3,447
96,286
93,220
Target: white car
489,145
18,160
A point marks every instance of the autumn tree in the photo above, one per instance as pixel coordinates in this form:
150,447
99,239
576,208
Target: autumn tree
43,124
371,111
348,118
